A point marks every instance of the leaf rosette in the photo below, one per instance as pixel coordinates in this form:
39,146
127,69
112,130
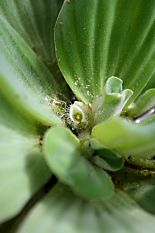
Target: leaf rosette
77,116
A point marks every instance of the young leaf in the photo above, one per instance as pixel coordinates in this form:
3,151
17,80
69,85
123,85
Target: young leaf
144,103
112,101
108,160
62,153
98,39
126,137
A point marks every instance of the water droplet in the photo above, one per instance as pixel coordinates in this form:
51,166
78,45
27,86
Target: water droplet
88,92
48,99
87,86
76,83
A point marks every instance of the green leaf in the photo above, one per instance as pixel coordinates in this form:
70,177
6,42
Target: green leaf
112,101
143,193
22,168
140,185
108,160
34,20
61,211
126,138
62,153
144,103
24,80
98,39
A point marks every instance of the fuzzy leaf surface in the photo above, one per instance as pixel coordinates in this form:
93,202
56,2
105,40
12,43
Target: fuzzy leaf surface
62,153
126,138
22,168
70,213
98,39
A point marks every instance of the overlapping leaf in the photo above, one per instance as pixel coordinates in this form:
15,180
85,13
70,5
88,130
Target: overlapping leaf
24,80
140,187
62,153
22,168
71,214
108,160
126,137
34,20
144,105
98,39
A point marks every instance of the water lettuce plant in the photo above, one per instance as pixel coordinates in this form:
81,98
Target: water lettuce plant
77,116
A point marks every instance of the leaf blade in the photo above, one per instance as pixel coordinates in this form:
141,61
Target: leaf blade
34,21
91,51
24,80
62,153
125,137
22,168
72,214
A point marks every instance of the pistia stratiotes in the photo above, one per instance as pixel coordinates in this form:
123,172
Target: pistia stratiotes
77,122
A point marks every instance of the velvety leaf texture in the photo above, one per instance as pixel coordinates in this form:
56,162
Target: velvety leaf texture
24,80
96,139
34,20
22,168
62,153
72,214
98,39
126,138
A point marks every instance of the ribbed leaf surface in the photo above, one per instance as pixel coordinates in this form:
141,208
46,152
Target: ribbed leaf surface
24,80
71,214
34,20
126,138
22,168
97,39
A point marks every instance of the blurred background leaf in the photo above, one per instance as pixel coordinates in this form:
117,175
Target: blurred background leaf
22,168
34,20
24,80
72,214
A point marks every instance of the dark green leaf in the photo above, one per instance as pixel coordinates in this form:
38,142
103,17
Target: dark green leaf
144,193
108,160
139,183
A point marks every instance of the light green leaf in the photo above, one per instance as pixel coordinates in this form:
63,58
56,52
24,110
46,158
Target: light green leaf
34,20
98,39
22,168
61,211
62,153
24,80
126,138
144,103
112,101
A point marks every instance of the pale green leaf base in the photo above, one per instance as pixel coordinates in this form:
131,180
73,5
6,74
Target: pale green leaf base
61,211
